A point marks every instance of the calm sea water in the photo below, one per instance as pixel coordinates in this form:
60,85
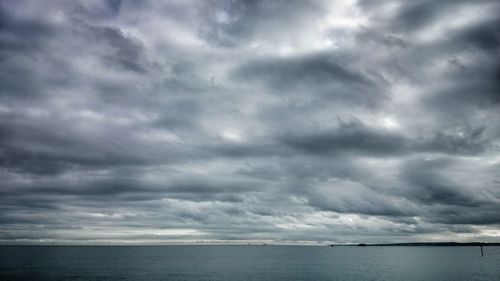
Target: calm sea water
248,263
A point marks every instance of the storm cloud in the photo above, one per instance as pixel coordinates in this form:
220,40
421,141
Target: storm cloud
249,121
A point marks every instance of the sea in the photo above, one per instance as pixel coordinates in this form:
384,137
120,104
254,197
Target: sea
242,262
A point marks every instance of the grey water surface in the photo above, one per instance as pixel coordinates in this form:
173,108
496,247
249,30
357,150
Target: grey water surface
247,263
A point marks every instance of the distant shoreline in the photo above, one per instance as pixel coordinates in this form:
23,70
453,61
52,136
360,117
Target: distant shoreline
408,244
440,244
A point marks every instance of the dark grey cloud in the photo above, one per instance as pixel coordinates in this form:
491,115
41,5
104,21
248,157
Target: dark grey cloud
322,76
231,121
124,52
353,137
429,187
348,138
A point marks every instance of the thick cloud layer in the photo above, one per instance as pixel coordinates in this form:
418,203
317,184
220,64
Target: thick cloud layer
240,121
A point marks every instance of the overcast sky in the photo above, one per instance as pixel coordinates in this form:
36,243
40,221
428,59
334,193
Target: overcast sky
230,121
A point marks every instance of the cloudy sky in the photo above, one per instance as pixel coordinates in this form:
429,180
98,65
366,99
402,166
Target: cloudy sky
231,121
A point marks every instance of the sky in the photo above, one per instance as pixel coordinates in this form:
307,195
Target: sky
229,121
